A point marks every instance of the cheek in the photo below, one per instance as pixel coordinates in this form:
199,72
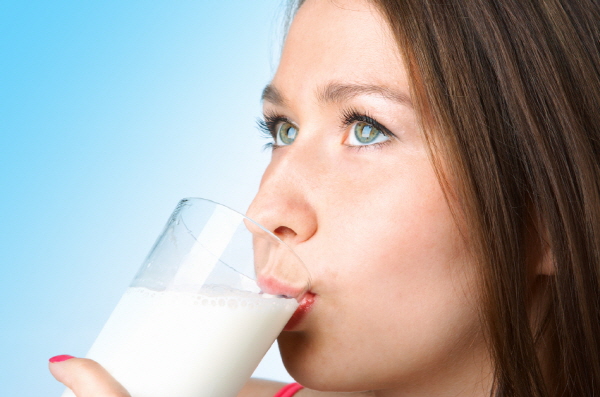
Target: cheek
383,225
411,259
395,285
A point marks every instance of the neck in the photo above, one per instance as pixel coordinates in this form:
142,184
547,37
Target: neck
469,376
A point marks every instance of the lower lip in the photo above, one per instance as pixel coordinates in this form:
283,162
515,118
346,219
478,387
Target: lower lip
305,306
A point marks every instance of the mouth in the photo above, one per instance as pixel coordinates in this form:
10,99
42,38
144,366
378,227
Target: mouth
304,307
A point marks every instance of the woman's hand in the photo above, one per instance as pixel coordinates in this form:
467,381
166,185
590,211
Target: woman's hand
86,378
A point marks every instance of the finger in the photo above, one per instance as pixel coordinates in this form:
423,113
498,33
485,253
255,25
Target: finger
86,378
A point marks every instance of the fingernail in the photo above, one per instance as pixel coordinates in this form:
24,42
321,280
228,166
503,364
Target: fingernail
62,357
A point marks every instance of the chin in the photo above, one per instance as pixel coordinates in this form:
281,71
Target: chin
301,361
314,368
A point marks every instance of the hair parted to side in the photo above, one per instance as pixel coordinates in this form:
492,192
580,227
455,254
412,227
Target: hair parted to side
508,94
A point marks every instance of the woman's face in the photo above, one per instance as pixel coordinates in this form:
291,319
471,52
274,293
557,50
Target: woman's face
352,190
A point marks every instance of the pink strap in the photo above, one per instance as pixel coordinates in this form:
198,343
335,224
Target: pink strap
289,390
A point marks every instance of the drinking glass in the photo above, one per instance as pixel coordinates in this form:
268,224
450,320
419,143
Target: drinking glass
209,300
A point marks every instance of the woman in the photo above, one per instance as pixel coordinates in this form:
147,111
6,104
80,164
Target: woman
436,165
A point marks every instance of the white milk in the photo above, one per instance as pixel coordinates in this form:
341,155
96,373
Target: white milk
182,344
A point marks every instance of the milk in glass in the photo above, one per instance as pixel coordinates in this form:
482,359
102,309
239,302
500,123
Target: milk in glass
189,344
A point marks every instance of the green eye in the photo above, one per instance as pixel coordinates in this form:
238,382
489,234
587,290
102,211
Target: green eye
286,134
365,134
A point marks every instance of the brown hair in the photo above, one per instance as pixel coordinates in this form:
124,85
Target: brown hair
508,93
513,87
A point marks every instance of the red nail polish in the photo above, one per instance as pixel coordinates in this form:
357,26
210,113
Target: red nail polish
62,357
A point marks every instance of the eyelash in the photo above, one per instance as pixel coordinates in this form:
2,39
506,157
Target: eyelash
351,116
269,122
267,125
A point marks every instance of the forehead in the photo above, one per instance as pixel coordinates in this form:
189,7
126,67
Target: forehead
345,41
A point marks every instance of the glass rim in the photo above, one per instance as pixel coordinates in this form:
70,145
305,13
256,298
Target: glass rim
264,229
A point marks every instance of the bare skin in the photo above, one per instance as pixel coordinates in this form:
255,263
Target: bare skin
264,388
351,188
396,308
88,379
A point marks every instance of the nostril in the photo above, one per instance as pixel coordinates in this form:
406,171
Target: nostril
284,232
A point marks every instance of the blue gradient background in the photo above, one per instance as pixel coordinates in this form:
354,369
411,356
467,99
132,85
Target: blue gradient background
110,112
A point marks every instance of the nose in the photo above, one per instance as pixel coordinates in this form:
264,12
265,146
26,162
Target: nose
282,203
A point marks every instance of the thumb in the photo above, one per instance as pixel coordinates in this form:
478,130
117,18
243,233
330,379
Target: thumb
86,378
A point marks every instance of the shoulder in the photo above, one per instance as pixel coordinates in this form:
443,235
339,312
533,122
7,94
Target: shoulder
266,388
314,393
260,388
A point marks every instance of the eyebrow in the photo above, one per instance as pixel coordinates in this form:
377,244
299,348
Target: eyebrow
272,94
337,92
